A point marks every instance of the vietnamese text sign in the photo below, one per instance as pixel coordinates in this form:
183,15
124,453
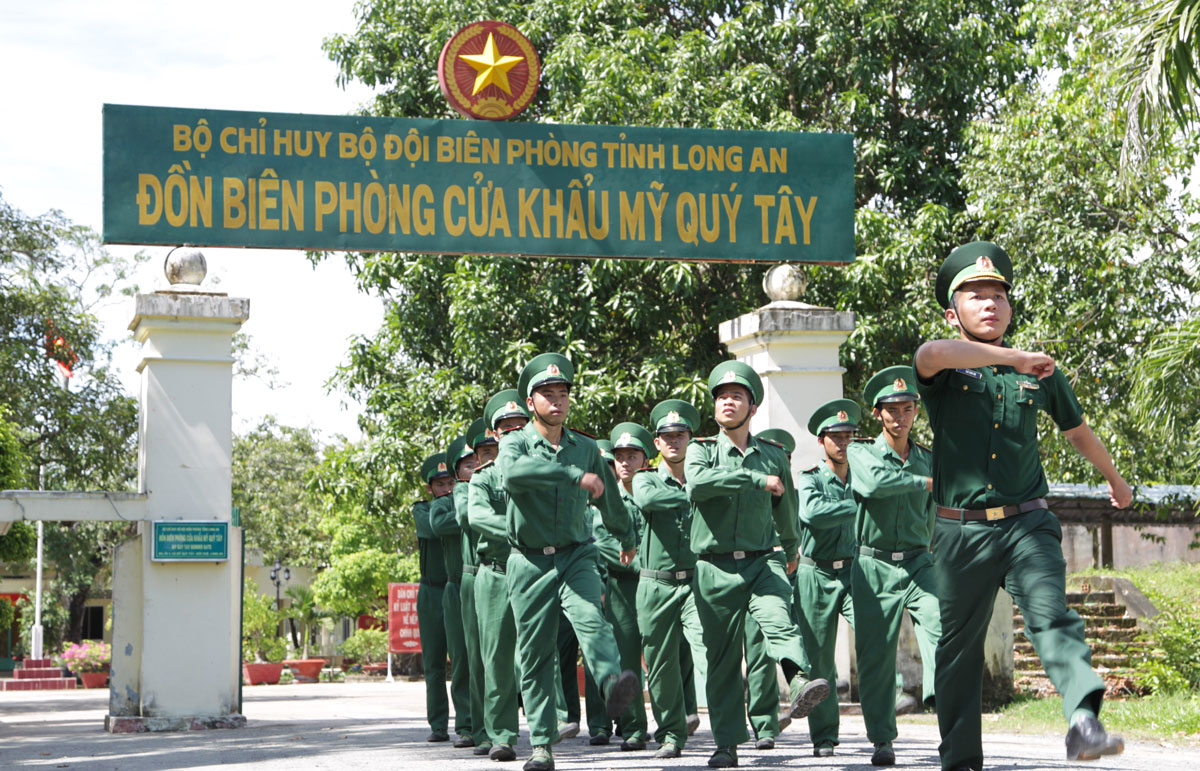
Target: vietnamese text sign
224,178
180,541
404,635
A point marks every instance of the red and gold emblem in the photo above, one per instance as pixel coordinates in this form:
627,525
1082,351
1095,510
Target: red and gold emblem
899,385
553,370
489,70
511,407
983,263
842,416
625,438
729,377
673,418
441,467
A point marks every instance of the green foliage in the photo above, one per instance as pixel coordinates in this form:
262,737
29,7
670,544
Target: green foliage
54,624
260,627
1167,380
366,646
304,610
1170,716
7,613
1176,633
271,466
20,542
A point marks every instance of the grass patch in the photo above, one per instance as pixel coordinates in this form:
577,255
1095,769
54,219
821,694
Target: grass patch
1170,582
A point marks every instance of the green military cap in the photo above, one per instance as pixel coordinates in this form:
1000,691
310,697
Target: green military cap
894,384
457,451
433,467
976,261
837,415
780,437
544,369
479,433
674,415
736,372
632,435
505,404
606,449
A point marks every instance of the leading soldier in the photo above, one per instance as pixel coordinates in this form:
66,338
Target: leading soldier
550,473
438,482
743,506
993,526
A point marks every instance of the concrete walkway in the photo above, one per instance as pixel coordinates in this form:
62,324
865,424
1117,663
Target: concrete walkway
367,726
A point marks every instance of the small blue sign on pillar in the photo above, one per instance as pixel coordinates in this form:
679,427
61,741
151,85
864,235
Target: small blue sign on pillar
190,541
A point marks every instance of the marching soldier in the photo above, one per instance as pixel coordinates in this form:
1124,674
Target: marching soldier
550,473
827,547
666,609
487,512
890,476
476,432
993,526
444,521
743,506
438,482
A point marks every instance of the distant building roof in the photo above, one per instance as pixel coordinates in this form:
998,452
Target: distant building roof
1162,504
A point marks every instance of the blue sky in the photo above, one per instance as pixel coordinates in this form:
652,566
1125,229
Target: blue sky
64,59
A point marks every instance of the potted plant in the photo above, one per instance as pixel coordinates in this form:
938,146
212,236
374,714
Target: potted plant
303,611
89,660
262,648
367,647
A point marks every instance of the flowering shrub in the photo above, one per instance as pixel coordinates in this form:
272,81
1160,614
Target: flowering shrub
88,656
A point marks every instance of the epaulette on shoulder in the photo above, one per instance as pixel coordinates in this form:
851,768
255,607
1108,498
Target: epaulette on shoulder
585,433
810,470
647,468
486,464
865,439
704,439
923,447
771,442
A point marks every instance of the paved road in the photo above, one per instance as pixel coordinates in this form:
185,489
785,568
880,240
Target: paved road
379,726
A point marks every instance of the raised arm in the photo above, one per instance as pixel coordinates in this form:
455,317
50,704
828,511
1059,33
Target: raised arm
1085,441
521,471
653,495
821,511
481,514
937,355
872,477
442,516
705,480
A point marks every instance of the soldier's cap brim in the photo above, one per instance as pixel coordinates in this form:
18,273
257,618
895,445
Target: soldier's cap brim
962,266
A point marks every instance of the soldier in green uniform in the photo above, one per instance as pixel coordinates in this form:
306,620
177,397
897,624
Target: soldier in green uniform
487,514
666,608
827,549
444,521
632,447
438,482
993,527
550,473
743,505
608,551
476,432
890,476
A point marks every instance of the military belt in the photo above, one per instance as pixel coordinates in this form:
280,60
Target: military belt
737,555
623,575
891,556
826,564
992,514
468,570
675,576
434,584
530,551
495,565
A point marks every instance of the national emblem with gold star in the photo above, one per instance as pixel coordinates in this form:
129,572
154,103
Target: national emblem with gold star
489,70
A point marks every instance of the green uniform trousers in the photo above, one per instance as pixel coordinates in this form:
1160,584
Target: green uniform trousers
568,669
620,608
497,651
762,683
538,586
433,655
474,657
666,611
971,560
460,669
824,594
882,591
726,590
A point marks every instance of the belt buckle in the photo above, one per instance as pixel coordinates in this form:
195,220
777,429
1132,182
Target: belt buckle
548,550
897,556
994,513
837,564
739,555
680,575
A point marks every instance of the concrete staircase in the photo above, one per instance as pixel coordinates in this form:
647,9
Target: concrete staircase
1110,631
37,675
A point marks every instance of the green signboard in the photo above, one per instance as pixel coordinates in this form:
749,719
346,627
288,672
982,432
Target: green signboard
184,541
275,180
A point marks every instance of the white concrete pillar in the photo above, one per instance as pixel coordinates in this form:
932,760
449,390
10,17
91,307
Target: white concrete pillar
176,630
794,346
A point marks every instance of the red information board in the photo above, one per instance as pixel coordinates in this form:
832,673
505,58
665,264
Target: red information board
403,634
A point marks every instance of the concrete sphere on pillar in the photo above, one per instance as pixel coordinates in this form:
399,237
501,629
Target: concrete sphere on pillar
185,265
785,281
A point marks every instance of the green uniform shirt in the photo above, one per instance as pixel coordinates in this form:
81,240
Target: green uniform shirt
895,511
827,510
732,510
608,548
470,539
487,514
666,520
444,522
546,505
985,433
429,546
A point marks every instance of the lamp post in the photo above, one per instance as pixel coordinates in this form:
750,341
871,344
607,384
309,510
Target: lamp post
279,578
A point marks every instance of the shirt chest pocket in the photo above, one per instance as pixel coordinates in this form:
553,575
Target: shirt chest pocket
968,384
1030,399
